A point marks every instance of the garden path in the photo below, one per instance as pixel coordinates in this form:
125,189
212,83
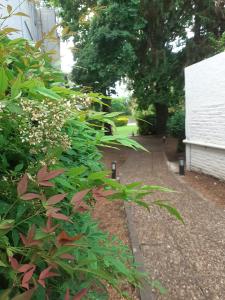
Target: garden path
189,259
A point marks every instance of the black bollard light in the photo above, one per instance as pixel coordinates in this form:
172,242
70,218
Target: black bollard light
113,169
164,139
181,166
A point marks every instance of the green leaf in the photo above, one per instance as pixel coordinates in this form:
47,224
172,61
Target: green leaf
143,204
21,14
74,172
5,294
3,81
47,93
172,210
19,167
15,88
98,175
2,264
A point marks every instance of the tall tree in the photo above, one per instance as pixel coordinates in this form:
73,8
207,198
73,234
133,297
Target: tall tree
137,38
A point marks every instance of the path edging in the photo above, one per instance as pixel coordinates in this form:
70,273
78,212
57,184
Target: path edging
145,293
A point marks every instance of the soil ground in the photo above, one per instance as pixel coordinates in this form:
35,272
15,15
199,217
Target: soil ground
210,187
111,215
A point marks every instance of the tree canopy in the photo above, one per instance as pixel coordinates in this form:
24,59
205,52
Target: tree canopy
150,42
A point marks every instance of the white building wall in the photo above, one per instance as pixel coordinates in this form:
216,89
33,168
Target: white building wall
40,20
205,116
27,26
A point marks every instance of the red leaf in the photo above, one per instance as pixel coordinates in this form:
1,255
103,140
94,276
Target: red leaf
26,278
22,185
46,274
42,173
67,295
79,196
46,183
80,295
30,196
29,240
63,238
51,210
59,216
49,228
67,256
25,268
14,263
82,209
55,199
53,174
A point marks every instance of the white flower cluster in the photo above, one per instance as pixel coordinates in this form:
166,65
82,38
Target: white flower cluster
42,123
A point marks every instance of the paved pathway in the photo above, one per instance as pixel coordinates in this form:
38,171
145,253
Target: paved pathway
189,259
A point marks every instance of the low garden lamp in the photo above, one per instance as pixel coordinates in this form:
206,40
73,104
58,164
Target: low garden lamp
113,169
181,166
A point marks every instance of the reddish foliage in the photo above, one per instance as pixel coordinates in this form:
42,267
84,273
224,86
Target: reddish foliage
67,256
27,269
22,185
56,199
78,296
77,201
27,277
64,239
29,240
14,263
54,213
47,183
53,174
46,274
43,176
42,173
49,228
30,196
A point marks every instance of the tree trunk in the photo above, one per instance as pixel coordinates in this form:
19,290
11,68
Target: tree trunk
107,108
161,117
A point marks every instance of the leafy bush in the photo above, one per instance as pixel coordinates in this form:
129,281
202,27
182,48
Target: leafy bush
176,125
146,124
50,248
121,105
121,121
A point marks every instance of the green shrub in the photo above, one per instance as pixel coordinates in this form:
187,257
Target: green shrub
146,124
121,105
176,125
121,121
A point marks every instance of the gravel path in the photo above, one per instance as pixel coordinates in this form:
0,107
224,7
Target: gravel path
189,259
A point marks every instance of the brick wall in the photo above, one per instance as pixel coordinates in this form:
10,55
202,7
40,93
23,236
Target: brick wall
205,116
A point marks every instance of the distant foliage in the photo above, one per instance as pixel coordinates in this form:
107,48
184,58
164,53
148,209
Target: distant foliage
121,105
121,121
176,125
146,124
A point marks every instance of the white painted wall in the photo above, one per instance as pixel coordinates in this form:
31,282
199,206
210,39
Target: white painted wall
28,27
205,116
40,21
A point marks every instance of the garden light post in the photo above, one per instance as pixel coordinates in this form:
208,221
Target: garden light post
113,169
181,166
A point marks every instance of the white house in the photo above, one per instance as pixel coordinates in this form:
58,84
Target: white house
41,19
205,116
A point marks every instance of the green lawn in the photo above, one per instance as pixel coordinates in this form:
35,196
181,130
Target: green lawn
127,130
